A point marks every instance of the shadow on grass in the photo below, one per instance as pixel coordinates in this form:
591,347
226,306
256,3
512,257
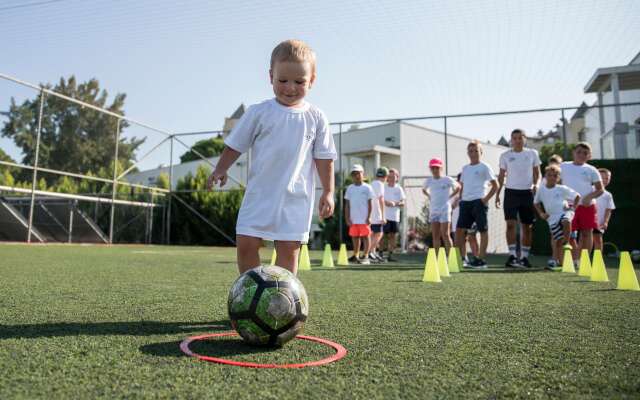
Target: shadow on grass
603,290
135,328
378,268
503,271
221,348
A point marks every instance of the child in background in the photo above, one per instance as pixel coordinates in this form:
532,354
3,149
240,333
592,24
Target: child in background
394,198
474,205
440,189
555,159
288,139
377,216
584,179
357,211
557,211
471,237
604,208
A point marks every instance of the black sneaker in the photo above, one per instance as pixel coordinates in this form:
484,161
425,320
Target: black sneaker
524,261
353,259
478,263
390,258
373,259
512,262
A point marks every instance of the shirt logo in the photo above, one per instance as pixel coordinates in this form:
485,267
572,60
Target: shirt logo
308,136
511,159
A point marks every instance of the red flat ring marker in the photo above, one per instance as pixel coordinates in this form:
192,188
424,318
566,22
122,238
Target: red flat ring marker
340,352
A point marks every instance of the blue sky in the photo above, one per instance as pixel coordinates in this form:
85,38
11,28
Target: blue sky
185,65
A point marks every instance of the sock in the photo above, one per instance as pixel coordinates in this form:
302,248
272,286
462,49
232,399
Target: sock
525,251
512,249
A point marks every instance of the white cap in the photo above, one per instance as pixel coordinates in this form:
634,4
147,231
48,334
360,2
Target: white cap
357,168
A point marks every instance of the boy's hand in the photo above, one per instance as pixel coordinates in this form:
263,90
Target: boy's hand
604,226
368,221
497,201
326,205
215,177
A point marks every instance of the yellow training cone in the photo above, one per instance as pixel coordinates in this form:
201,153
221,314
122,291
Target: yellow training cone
342,255
443,267
431,268
453,261
585,264
327,257
304,263
273,257
598,270
627,279
567,262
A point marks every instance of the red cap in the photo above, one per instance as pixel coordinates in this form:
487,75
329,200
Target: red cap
435,162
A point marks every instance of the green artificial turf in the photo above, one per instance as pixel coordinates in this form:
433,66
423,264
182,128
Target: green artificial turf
91,322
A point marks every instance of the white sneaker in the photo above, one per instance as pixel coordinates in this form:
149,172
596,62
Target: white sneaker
365,261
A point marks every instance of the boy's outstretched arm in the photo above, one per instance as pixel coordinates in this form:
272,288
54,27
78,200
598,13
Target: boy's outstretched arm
219,174
325,172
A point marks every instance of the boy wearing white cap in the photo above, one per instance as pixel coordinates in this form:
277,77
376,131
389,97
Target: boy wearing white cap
357,211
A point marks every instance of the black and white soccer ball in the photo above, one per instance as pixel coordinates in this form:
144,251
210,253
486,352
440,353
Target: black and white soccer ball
268,306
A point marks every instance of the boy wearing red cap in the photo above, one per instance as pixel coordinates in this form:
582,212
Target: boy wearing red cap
439,190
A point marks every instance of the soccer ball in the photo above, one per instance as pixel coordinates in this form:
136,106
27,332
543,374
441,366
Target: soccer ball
635,256
268,306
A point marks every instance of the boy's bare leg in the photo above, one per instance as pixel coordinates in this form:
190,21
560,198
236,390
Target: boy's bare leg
554,249
484,243
597,241
445,227
248,248
356,246
287,255
473,244
391,242
586,240
375,241
367,244
566,238
574,247
435,234
461,242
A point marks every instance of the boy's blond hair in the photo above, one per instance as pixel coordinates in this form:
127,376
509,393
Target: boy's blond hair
604,171
583,145
476,144
556,158
296,51
553,168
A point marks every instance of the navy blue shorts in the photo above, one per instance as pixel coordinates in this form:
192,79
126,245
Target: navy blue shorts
473,211
391,227
376,228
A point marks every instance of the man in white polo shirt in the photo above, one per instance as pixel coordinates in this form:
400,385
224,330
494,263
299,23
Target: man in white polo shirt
521,166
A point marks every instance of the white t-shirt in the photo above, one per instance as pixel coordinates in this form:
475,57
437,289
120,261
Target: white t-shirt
555,199
580,177
278,201
604,203
359,196
378,191
394,194
439,192
474,179
519,167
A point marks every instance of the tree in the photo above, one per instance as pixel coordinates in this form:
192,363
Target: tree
5,157
73,138
565,151
208,147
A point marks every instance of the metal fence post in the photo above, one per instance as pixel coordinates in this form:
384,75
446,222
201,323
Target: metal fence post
114,182
446,149
565,152
34,177
341,186
168,238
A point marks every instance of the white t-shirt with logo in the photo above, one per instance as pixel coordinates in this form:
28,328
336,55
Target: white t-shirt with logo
439,191
474,180
580,178
378,191
279,197
359,196
394,194
519,167
604,203
555,200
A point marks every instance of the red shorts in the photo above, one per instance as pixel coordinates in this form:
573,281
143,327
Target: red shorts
359,230
585,218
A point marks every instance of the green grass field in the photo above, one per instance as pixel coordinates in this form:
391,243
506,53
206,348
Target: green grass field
91,322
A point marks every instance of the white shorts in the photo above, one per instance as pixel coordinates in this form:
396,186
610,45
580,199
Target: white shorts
439,216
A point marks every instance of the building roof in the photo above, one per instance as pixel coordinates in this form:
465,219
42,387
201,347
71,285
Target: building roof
628,76
239,112
580,111
503,141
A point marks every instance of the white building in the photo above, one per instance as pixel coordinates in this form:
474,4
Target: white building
614,132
